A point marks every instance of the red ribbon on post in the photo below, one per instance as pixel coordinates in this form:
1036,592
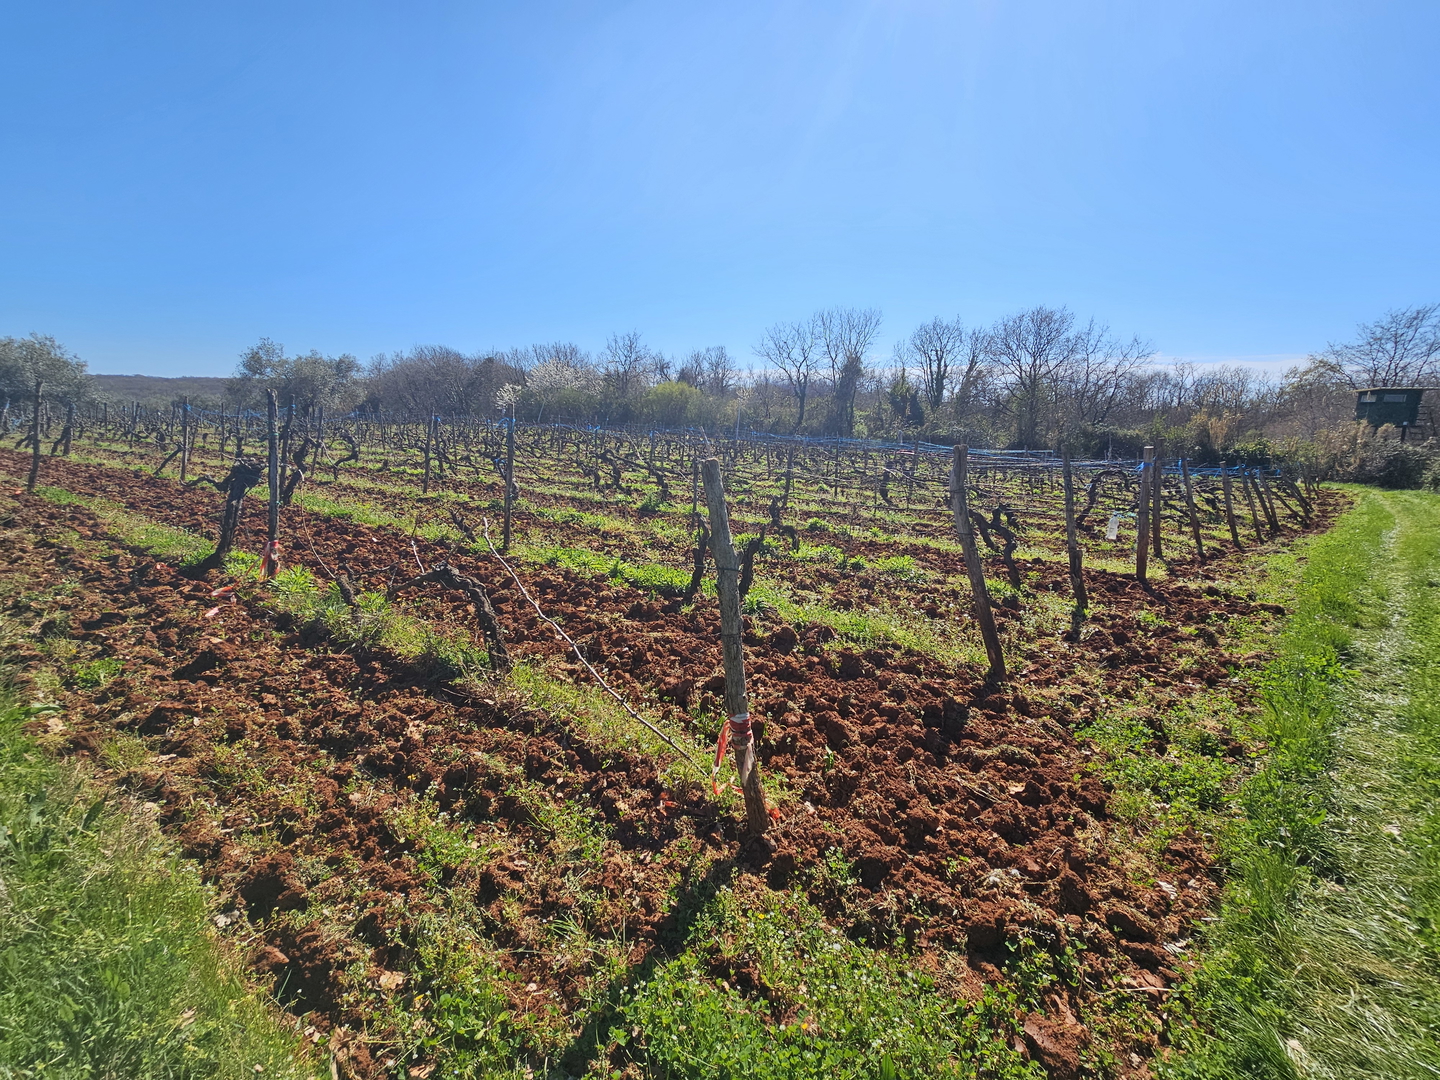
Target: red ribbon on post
737,727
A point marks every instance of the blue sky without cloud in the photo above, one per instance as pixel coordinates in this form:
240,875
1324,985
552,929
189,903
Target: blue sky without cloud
1233,181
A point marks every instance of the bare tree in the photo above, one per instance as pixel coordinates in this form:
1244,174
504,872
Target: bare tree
1031,348
932,351
1400,349
692,371
720,371
792,349
436,379
846,335
1094,380
630,367
761,396
710,370
977,363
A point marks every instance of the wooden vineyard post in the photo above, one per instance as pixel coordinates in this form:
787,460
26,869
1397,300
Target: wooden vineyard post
1250,502
960,507
1267,503
68,431
1142,519
35,440
185,440
1072,546
509,479
285,432
1157,498
429,439
1229,505
727,585
272,521
1190,508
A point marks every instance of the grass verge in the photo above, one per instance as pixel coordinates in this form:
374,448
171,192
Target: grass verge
1324,960
107,967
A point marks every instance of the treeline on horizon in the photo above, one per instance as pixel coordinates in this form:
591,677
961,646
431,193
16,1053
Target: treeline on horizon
1038,379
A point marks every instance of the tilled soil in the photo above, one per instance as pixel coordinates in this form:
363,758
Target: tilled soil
971,817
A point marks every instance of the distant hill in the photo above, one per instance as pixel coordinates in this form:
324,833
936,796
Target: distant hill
154,390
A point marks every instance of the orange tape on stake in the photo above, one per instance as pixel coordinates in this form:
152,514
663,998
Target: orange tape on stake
739,726
720,746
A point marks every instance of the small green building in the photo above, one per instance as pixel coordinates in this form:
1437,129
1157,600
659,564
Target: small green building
1381,405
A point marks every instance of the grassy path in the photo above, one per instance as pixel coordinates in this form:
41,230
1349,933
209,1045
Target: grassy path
107,966
1326,959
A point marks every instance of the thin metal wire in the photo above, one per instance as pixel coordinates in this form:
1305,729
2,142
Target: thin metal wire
485,531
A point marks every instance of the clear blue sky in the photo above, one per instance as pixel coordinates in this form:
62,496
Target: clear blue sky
1230,180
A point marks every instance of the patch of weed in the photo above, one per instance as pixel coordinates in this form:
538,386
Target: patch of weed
770,991
88,676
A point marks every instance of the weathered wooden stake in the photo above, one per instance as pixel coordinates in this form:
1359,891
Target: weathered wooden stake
272,433
1229,506
35,440
1072,546
1190,508
1142,519
960,507
185,441
727,575
68,431
285,433
1250,501
1267,503
429,439
509,479
1157,499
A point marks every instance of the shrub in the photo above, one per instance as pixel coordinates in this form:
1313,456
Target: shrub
1390,464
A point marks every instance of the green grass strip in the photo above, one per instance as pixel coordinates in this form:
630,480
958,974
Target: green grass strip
107,967
1324,962
854,1014
177,546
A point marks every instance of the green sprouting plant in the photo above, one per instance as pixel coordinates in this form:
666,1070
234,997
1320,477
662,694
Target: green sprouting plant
901,566
572,828
97,672
172,545
835,869
650,577
242,564
850,1013
441,846
1039,960
1188,773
